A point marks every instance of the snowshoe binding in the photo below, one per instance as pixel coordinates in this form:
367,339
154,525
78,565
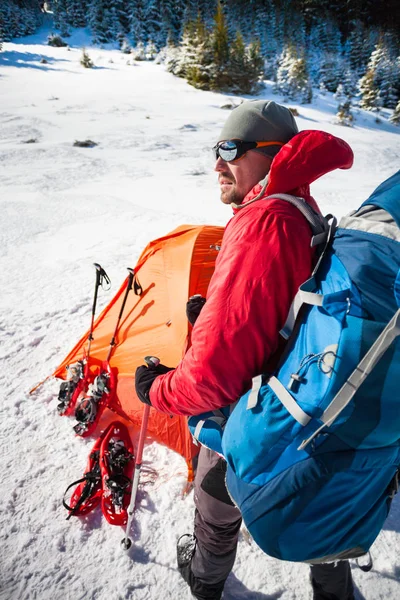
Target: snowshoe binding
71,389
90,406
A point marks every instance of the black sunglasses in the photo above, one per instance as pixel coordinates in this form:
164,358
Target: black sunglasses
231,150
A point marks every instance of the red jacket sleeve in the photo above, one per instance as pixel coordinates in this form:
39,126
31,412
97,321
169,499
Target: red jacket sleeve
265,256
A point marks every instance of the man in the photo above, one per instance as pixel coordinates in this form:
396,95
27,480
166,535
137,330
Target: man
265,256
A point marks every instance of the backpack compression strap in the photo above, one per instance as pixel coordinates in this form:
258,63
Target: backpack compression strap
359,375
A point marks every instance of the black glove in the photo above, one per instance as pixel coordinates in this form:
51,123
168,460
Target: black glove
144,377
193,307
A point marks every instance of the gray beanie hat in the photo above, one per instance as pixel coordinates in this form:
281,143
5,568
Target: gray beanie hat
260,121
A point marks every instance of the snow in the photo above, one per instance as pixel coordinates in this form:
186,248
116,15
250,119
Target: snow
63,208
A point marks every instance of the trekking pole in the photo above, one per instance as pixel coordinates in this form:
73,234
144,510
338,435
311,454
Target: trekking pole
126,543
87,411
100,275
128,289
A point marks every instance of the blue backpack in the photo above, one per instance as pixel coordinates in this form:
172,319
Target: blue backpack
313,452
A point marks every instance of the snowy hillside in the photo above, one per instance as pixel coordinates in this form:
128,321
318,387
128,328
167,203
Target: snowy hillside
63,208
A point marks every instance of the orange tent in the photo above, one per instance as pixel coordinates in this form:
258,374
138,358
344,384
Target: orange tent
154,322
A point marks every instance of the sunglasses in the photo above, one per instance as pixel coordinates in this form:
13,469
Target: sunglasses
231,150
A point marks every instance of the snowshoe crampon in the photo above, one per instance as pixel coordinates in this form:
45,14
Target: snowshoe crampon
90,406
117,464
87,494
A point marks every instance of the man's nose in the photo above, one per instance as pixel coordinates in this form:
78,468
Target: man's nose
220,165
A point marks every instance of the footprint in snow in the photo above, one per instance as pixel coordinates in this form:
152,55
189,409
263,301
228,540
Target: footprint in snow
77,307
188,127
36,341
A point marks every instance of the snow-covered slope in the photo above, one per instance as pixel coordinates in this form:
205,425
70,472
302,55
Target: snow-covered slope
63,208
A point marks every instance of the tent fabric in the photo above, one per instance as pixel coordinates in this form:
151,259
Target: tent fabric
169,271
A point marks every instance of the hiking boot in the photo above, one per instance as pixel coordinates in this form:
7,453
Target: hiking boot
185,548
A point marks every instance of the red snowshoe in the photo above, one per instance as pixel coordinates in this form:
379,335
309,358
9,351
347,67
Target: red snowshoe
91,405
75,385
87,494
117,463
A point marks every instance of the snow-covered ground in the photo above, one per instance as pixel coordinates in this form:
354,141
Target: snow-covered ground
63,208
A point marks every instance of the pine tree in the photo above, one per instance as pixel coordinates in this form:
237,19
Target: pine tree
194,51
125,18
99,21
388,92
18,18
137,22
349,83
300,82
344,115
171,56
331,71
220,50
296,31
264,31
4,26
379,78
293,81
355,49
153,22
369,92
171,18
395,118
282,75
61,18
139,52
339,94
77,10
86,61
378,62
197,57
255,64
190,12
151,50
245,66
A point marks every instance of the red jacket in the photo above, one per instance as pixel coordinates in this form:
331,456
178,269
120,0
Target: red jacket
265,256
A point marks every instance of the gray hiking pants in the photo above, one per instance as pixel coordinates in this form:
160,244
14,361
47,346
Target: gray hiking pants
216,523
216,528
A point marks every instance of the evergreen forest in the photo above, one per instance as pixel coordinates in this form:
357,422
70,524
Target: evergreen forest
348,47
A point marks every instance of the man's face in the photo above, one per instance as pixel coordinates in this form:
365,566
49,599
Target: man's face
237,178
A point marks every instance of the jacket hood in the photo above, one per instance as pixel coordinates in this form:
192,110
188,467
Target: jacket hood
304,159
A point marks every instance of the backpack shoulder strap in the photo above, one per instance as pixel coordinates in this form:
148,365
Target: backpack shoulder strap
323,229
319,224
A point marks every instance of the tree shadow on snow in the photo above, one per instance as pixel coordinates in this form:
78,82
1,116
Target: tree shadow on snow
308,119
29,60
235,590
395,575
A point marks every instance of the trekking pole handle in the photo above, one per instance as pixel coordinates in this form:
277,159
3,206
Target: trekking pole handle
100,275
152,361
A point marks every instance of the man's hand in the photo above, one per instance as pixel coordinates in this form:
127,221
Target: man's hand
193,307
144,377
